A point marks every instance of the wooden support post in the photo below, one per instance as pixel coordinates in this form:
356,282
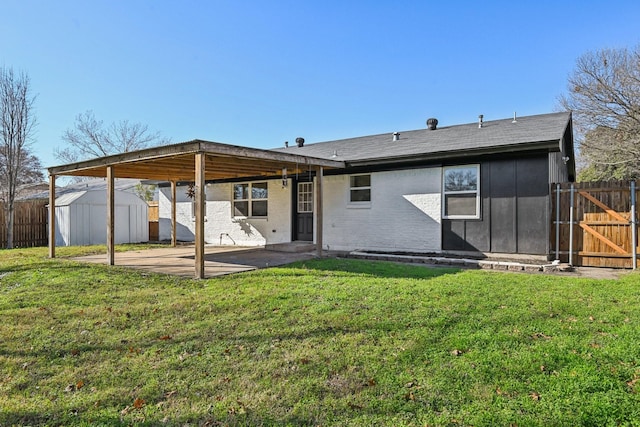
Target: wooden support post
319,227
571,225
634,225
174,238
110,216
52,216
200,199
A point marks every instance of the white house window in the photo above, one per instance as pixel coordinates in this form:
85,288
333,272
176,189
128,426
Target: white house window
250,199
359,188
461,192
305,197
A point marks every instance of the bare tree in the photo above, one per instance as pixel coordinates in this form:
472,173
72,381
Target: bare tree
89,138
17,121
604,95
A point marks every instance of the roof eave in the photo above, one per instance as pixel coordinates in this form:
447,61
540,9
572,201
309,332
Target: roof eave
551,146
190,148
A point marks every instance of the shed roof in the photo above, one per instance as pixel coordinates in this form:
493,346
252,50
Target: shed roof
545,131
97,196
68,198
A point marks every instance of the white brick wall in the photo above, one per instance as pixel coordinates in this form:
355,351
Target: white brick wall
221,228
404,213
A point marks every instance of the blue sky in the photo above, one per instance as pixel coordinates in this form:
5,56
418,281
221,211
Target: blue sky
258,73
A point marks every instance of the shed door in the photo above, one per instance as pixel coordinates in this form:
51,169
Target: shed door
304,212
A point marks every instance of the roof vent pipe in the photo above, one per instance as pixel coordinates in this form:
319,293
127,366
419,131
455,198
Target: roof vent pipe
480,117
514,118
286,144
432,123
300,141
396,136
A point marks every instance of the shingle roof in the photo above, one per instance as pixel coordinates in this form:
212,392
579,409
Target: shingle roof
528,132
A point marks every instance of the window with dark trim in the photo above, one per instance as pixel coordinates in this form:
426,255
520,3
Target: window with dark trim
461,192
360,188
250,199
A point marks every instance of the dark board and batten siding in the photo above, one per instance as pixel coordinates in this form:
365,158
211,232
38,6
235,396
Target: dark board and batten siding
514,210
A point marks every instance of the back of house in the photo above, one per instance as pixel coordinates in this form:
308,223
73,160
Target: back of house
481,187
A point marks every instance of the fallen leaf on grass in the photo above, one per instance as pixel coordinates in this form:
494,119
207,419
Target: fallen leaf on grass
79,385
538,335
165,338
138,403
456,352
535,396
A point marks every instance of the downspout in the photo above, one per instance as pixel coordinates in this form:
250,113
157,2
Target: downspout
558,223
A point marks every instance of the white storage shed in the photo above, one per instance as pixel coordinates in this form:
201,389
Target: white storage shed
81,218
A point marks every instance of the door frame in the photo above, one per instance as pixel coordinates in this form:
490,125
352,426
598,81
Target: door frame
294,206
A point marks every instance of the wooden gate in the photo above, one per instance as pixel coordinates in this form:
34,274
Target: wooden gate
604,219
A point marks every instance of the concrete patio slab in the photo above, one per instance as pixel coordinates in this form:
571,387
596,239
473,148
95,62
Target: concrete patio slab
219,261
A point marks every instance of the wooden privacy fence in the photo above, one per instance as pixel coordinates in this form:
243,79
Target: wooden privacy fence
30,224
595,223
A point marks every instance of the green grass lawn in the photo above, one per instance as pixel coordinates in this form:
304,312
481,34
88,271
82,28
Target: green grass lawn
320,343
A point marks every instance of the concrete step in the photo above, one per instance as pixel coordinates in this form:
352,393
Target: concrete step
293,247
485,264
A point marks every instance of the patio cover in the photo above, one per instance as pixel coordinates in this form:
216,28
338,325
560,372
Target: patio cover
195,161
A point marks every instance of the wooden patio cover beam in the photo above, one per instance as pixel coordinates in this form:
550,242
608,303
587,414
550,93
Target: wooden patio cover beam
177,162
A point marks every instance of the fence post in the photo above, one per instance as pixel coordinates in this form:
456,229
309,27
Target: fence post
558,222
571,226
634,232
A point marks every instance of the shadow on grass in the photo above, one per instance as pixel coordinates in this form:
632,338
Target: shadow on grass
380,269
138,418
